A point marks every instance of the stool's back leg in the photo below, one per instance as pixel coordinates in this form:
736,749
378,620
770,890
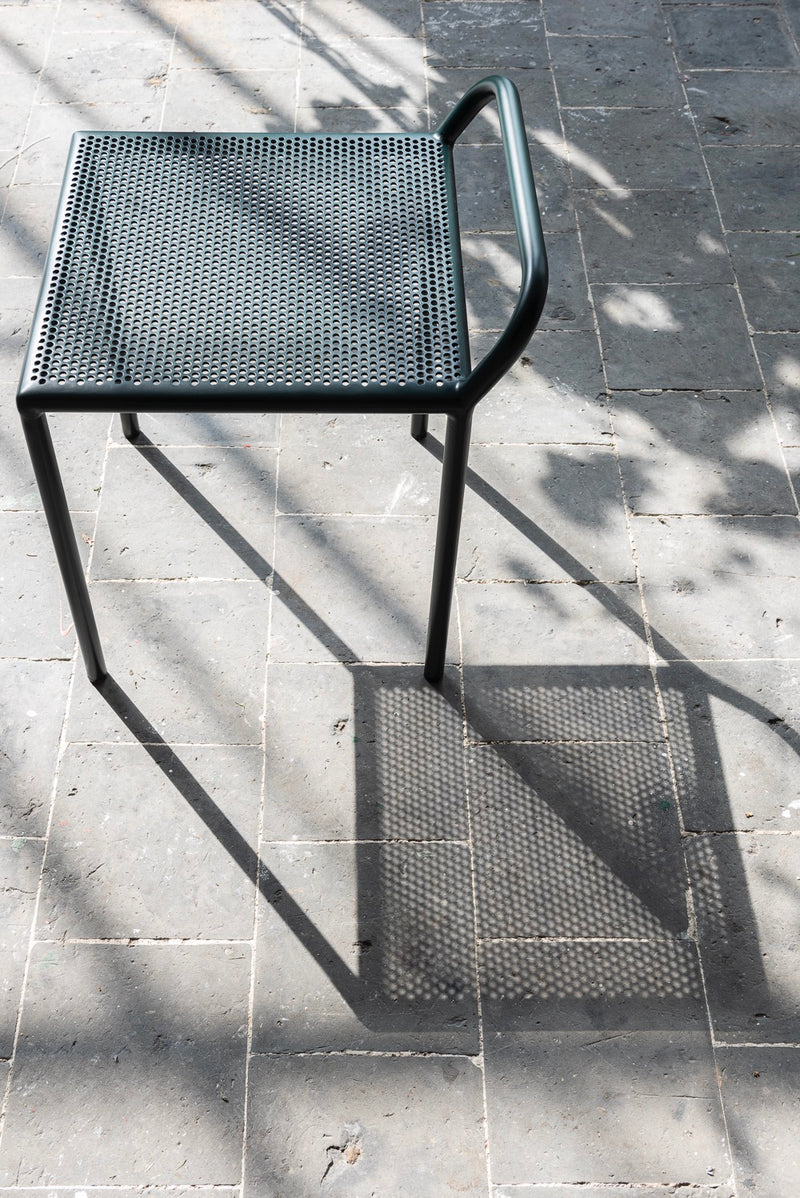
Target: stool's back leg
54,501
451,502
130,424
419,425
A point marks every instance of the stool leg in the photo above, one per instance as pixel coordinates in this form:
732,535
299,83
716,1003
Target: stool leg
54,501
419,425
451,502
130,424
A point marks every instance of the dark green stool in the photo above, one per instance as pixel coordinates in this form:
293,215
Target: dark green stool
229,272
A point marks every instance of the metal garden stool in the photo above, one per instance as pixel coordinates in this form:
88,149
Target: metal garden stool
232,272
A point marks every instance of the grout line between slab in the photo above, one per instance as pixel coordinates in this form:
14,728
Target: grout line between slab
62,744
385,1054
474,892
794,1044
653,657
690,899
148,941
265,731
665,939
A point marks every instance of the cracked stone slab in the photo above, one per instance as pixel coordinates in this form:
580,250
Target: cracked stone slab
615,71
246,36
662,236
105,1024
33,699
152,844
576,840
761,1093
459,34
7,170
735,732
516,624
34,615
186,513
392,18
792,456
612,17
767,267
356,464
792,14
345,1124
617,149
745,107
216,101
20,865
80,444
17,301
747,904
339,594
228,429
720,587
104,68
25,228
362,72
363,118
51,127
586,1045
187,664
572,492
362,753
726,36
365,947
755,186
709,452
554,393
667,337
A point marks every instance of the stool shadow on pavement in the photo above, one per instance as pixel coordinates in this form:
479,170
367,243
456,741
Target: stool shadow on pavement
563,786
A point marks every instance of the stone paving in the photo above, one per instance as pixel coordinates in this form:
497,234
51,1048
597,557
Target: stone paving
278,918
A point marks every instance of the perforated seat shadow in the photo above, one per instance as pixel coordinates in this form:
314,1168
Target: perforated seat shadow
270,272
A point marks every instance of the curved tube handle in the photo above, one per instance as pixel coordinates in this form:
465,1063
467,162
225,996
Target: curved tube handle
530,239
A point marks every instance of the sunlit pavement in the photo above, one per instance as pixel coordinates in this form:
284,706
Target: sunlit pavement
278,918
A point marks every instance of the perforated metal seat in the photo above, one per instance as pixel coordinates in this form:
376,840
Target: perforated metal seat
189,260
256,272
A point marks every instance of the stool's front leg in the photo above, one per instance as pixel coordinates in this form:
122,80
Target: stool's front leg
451,503
54,501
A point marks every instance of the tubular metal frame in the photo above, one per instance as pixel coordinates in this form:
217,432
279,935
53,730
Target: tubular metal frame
456,399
